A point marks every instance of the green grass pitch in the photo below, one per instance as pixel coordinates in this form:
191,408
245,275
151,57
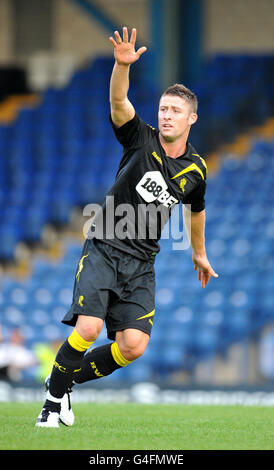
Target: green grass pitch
141,427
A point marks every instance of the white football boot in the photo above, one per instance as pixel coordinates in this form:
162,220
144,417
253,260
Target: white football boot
47,419
66,414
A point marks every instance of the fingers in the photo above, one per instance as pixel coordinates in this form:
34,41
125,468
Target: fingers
141,50
125,34
204,276
117,37
113,42
212,273
133,36
205,279
118,40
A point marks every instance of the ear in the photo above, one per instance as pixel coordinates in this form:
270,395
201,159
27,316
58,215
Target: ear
192,118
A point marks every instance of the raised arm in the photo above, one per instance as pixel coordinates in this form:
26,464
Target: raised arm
196,234
122,110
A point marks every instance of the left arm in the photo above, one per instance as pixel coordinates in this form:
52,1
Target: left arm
196,234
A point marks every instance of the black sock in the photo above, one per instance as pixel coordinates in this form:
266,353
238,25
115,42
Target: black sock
96,364
52,406
66,365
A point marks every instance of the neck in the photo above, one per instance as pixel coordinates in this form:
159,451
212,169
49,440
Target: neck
174,149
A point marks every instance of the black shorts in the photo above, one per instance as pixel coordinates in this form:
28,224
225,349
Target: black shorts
115,286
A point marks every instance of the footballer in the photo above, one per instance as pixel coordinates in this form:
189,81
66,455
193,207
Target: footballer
115,278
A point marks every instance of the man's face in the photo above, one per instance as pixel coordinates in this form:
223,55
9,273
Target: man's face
175,116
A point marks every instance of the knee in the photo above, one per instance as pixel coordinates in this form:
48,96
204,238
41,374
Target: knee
89,327
132,347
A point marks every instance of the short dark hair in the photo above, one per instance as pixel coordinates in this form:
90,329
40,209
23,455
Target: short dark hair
183,92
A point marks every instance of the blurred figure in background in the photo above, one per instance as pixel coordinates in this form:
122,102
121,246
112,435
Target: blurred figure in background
45,354
266,353
15,357
3,362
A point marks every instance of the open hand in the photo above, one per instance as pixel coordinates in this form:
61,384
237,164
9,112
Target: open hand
205,271
124,50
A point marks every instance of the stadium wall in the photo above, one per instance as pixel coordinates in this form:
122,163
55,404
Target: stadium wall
77,33
6,33
228,25
233,26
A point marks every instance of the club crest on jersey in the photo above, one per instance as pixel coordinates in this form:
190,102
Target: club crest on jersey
182,184
153,187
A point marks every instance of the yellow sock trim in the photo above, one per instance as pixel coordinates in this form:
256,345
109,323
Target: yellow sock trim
77,342
117,356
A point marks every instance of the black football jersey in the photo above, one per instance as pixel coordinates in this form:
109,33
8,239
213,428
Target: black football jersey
147,186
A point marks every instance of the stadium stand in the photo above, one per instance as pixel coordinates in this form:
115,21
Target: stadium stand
61,154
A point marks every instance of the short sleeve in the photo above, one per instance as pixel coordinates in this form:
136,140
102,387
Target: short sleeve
133,133
197,198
